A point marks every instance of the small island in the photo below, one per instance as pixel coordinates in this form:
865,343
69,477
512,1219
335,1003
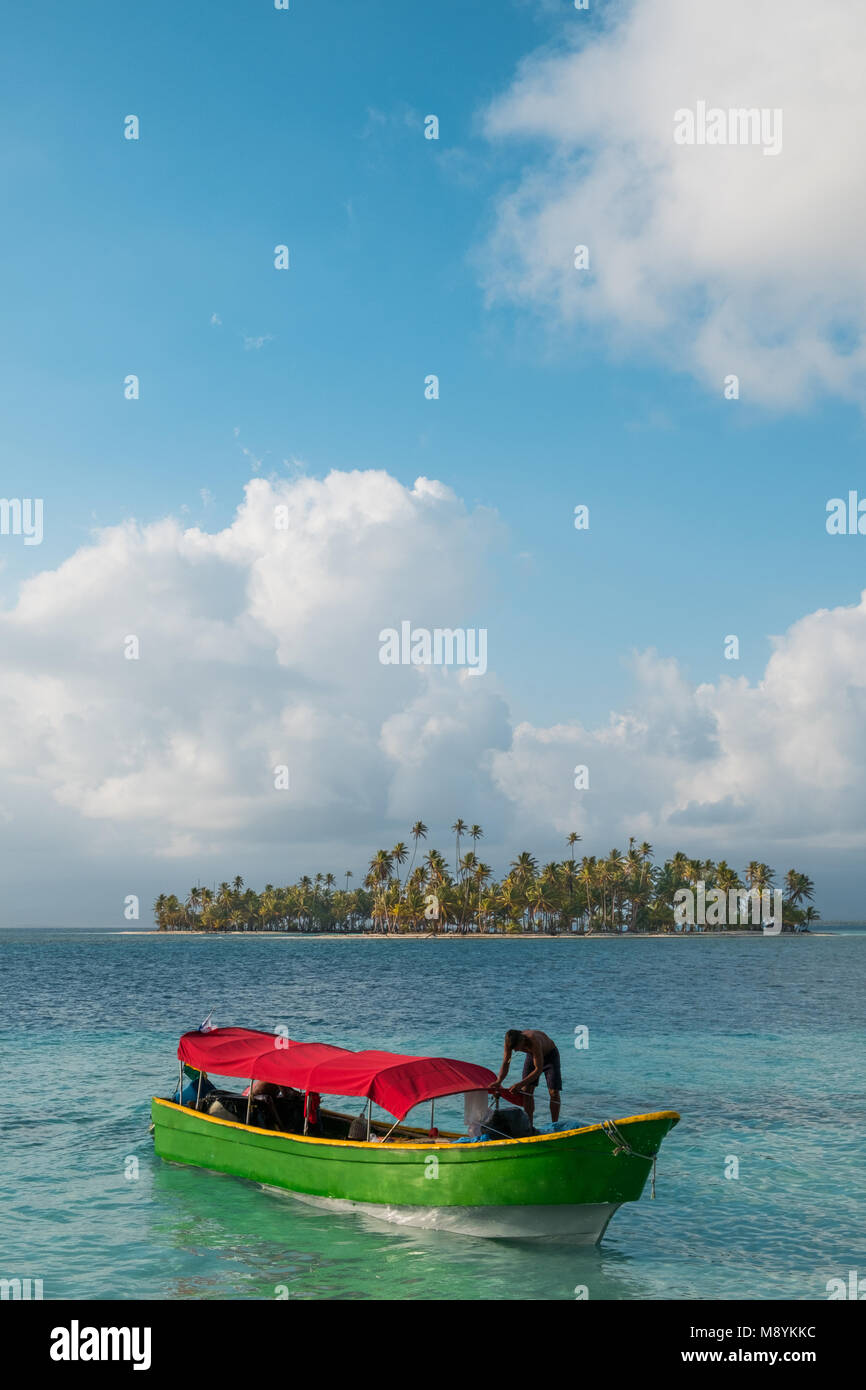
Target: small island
624,893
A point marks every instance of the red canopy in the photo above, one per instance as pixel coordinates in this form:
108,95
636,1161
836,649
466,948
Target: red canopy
390,1079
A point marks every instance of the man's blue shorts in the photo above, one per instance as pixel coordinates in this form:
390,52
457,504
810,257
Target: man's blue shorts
552,1070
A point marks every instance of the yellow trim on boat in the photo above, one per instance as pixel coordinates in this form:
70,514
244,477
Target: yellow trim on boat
364,1144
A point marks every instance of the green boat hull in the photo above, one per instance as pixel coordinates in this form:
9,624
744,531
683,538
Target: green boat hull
569,1183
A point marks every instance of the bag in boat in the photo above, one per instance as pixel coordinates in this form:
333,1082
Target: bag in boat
284,1112
226,1106
289,1108
509,1123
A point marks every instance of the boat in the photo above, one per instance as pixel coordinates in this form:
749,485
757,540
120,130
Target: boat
566,1183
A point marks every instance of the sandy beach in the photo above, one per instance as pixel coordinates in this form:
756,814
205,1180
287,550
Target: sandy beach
474,936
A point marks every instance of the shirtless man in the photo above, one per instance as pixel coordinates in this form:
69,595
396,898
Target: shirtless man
542,1056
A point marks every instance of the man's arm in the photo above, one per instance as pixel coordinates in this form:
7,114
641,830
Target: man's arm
506,1063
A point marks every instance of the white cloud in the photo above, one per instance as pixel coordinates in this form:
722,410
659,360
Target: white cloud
778,764
260,647
439,747
718,259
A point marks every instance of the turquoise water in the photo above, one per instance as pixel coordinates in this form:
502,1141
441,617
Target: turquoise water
758,1043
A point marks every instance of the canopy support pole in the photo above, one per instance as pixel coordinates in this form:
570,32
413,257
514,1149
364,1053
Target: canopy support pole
432,1113
369,1117
306,1103
180,1083
198,1092
249,1101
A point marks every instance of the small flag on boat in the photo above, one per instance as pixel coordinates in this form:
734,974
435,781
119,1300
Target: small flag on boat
206,1026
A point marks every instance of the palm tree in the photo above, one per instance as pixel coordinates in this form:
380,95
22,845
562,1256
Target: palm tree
568,887
437,870
548,894
513,902
467,869
418,832
380,873
636,880
614,867
458,829
490,908
414,904
268,907
622,892
797,887
305,883
679,866
693,874
399,854
728,880
523,871
193,903
587,876
524,867
760,879
481,875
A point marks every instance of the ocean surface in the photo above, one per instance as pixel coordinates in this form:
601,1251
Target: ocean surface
759,1044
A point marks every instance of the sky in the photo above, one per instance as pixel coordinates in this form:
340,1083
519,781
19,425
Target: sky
306,389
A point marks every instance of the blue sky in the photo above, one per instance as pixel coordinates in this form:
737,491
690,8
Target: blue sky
261,127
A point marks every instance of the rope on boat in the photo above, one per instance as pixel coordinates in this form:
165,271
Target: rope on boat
621,1145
